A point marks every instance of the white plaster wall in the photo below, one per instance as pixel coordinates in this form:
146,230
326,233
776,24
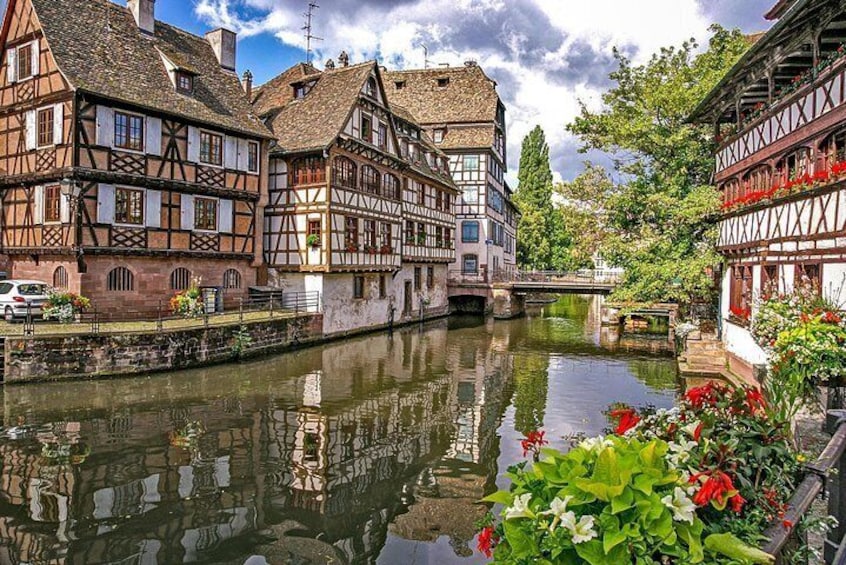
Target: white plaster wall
343,313
739,341
725,300
834,282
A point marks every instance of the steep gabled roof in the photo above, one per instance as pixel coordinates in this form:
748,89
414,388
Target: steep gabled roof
467,94
422,166
314,121
100,50
279,91
469,137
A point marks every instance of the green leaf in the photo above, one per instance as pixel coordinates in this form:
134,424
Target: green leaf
612,539
691,534
733,548
593,552
500,497
624,501
607,480
522,544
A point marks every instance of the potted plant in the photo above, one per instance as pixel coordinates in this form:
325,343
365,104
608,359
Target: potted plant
421,239
385,250
313,240
189,302
64,307
370,249
352,247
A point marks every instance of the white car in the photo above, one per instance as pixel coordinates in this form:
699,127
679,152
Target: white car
18,297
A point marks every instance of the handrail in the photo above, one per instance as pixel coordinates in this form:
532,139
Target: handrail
586,276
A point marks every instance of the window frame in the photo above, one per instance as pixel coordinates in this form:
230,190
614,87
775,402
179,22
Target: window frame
366,132
358,287
470,223
253,152
27,48
54,193
143,203
179,76
465,258
215,203
128,132
211,136
351,232
430,277
438,135
48,133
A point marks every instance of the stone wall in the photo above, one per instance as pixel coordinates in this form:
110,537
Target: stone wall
80,356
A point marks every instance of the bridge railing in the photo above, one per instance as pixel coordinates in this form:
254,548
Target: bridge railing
585,276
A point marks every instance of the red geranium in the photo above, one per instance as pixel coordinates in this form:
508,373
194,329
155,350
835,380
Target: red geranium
533,442
718,488
626,419
487,541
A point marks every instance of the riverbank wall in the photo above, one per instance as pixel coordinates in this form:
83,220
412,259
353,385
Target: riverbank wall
57,357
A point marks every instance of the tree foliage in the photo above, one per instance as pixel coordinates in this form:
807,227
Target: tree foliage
659,217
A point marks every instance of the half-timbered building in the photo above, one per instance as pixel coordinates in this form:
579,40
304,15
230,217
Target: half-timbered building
337,193
462,112
779,118
130,159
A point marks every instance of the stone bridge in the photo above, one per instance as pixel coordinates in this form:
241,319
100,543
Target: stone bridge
504,293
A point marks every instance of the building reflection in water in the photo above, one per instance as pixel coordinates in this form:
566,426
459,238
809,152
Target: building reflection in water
314,455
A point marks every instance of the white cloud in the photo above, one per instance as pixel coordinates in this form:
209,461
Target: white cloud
546,54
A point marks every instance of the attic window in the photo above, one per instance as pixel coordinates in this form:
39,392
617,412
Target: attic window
370,87
442,82
399,84
439,135
184,82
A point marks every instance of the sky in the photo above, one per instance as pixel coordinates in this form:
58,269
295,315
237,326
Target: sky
545,55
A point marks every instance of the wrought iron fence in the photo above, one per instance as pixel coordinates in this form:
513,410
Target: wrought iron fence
586,276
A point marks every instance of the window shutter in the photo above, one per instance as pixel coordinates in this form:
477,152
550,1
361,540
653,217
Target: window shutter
224,216
243,155
154,209
187,211
105,126
230,152
64,209
105,204
38,205
36,57
58,123
193,144
153,141
11,65
30,130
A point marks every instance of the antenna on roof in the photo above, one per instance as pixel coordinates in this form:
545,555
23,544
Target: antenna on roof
426,60
312,6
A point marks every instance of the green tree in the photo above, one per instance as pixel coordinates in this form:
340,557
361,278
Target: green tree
659,219
542,242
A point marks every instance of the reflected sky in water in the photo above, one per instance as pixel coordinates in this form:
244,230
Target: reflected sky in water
370,450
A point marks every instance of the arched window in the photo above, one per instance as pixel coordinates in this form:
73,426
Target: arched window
793,166
369,179
343,172
391,187
309,170
231,279
180,279
60,278
120,279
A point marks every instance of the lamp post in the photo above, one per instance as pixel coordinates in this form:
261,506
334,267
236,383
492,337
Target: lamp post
71,191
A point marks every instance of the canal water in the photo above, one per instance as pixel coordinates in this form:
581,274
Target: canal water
370,450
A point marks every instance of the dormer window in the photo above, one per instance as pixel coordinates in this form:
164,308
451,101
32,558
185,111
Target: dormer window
442,82
303,88
399,84
184,82
439,135
370,87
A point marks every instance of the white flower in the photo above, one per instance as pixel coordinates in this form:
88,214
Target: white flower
683,508
558,509
680,452
520,507
691,428
582,531
597,443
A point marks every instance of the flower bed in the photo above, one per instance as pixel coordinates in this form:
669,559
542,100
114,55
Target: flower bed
189,302
695,484
64,306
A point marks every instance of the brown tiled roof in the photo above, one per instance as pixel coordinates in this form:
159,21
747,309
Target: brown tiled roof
422,166
468,137
469,95
100,50
314,121
279,91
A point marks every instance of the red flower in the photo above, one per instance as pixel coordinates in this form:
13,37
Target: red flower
533,442
697,433
737,503
487,541
787,524
709,393
626,419
831,318
716,488
754,400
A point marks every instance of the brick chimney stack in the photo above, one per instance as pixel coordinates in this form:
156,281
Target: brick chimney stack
144,12
223,44
248,84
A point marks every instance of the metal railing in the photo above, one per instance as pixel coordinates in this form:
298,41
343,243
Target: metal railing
586,276
263,306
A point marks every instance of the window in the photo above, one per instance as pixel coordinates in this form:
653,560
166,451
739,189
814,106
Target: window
129,131
392,187
470,162
382,136
180,279
370,87
311,170
129,206
45,127
358,286
470,194
366,129
25,60
409,232
417,279
439,236
231,279
430,277
470,232
343,172
439,200
184,82
470,264
60,278
205,214
211,148
447,202
421,234
439,135
369,179
386,236
809,274
442,82
383,287
448,238
314,230
399,84
769,279
370,234
120,279
741,290
495,199
421,195
351,233
252,156
52,204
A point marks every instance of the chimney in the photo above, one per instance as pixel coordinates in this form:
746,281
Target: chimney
144,12
248,84
344,59
330,65
470,63
222,42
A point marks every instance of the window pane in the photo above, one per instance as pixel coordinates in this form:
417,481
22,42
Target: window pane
129,206
205,214
45,127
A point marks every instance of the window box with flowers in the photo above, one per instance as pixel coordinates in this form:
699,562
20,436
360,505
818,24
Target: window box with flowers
371,249
740,316
313,240
352,247
64,307
386,250
189,302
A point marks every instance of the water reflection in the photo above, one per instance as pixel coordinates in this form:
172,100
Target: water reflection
369,450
